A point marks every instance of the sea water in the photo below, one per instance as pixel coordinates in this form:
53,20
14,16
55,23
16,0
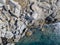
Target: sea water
50,36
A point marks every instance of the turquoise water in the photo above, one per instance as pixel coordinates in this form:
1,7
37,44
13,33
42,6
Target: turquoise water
50,36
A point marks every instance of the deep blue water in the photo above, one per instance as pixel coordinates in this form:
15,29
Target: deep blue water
50,36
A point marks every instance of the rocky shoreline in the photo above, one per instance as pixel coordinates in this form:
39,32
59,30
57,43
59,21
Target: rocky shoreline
19,16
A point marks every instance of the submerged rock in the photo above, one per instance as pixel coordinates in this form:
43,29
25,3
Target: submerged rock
28,33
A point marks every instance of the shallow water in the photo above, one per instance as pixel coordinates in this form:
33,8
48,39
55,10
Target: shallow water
50,36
